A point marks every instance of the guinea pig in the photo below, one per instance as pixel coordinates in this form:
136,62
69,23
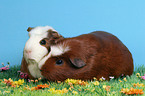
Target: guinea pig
97,54
37,48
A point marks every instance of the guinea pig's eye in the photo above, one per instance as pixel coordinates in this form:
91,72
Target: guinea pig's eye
42,42
59,62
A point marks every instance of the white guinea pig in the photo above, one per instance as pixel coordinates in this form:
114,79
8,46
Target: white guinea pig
37,49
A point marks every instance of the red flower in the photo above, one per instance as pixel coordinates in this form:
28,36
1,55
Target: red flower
23,75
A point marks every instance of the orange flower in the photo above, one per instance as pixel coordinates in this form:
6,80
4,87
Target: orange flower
40,87
120,80
58,81
107,88
12,83
132,91
32,80
8,82
36,80
43,86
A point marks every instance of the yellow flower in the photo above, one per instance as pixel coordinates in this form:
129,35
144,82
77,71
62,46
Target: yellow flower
93,90
124,90
74,81
120,80
53,91
74,92
113,92
125,79
102,79
64,90
96,83
33,88
139,85
95,78
104,86
70,89
27,88
18,83
21,91
7,91
138,75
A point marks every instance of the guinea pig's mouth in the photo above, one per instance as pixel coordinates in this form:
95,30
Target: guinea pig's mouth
44,70
32,61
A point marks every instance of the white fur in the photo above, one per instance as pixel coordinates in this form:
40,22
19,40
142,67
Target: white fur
37,51
42,62
59,50
40,30
33,44
34,70
55,51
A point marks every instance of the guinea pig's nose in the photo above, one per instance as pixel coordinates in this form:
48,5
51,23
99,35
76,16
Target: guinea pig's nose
28,51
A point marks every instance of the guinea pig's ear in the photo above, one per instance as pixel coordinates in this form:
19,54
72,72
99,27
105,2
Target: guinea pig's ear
78,63
29,29
54,37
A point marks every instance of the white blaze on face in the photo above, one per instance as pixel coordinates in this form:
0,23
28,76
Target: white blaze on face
33,51
56,50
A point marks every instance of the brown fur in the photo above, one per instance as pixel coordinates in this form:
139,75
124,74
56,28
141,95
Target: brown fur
98,54
24,68
50,38
29,29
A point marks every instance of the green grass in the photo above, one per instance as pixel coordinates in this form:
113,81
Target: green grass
88,90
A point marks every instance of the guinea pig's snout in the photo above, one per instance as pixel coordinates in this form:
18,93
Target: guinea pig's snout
28,51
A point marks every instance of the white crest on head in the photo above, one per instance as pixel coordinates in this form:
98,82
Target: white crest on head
56,50
33,51
59,49
41,31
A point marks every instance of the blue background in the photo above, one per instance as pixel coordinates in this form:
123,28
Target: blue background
123,18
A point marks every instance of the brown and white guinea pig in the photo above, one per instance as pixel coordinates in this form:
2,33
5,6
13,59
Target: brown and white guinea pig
37,49
98,54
